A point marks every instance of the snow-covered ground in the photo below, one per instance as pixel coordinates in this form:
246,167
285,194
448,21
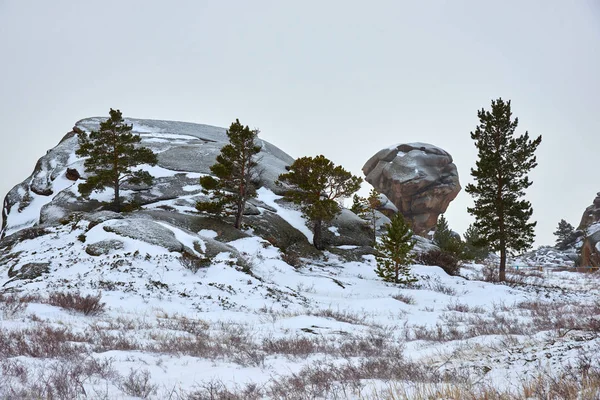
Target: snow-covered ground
332,327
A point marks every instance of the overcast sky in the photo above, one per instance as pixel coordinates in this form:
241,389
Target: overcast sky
339,78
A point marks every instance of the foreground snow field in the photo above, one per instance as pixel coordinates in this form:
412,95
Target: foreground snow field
328,329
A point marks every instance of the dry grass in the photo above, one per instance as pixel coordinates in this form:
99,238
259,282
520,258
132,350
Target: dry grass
88,305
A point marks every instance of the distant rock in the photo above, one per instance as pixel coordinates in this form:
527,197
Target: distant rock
591,215
420,179
588,234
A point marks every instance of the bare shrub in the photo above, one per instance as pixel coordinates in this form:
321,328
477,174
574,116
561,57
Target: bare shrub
12,304
291,258
138,384
404,298
193,262
464,308
298,346
490,272
443,259
441,288
41,342
216,390
88,305
341,316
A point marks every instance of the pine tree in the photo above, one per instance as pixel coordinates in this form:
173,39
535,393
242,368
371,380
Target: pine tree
316,184
563,231
501,215
373,204
474,248
112,155
236,171
447,240
394,252
359,205
366,208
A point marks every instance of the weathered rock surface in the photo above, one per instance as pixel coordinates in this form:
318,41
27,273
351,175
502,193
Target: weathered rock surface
184,150
49,202
146,231
591,215
588,232
420,179
104,247
29,271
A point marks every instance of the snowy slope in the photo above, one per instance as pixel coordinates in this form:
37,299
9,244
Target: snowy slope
195,309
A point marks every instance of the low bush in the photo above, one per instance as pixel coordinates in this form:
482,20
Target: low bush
193,262
443,259
88,305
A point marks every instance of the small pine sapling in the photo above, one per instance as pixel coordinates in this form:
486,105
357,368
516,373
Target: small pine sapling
394,257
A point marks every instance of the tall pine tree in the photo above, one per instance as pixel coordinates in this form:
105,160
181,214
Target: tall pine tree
501,214
112,155
563,232
394,258
236,171
317,184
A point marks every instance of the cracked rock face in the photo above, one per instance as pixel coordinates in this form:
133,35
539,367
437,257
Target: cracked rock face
419,178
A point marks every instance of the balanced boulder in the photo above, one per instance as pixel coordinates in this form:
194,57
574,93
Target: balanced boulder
420,179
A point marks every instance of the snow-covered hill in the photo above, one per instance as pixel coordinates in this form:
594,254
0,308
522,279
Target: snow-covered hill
164,303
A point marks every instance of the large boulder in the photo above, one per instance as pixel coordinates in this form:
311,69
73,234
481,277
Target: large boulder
420,179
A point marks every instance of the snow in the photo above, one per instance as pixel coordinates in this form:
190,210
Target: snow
209,233
30,215
152,291
334,230
293,217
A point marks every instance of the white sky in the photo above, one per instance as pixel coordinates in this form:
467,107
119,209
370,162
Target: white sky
339,78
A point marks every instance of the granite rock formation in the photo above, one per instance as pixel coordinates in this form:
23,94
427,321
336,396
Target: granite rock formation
420,179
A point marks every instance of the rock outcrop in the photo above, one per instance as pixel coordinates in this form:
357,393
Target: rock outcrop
163,215
589,228
420,179
185,150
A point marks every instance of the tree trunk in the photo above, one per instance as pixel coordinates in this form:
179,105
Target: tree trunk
502,268
238,215
374,221
117,199
317,239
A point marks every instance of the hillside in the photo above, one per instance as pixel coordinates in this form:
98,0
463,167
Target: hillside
161,302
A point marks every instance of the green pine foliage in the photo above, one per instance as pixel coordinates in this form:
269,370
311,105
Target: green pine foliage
236,170
474,248
112,155
563,232
317,184
359,205
501,214
394,257
366,208
373,204
447,240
